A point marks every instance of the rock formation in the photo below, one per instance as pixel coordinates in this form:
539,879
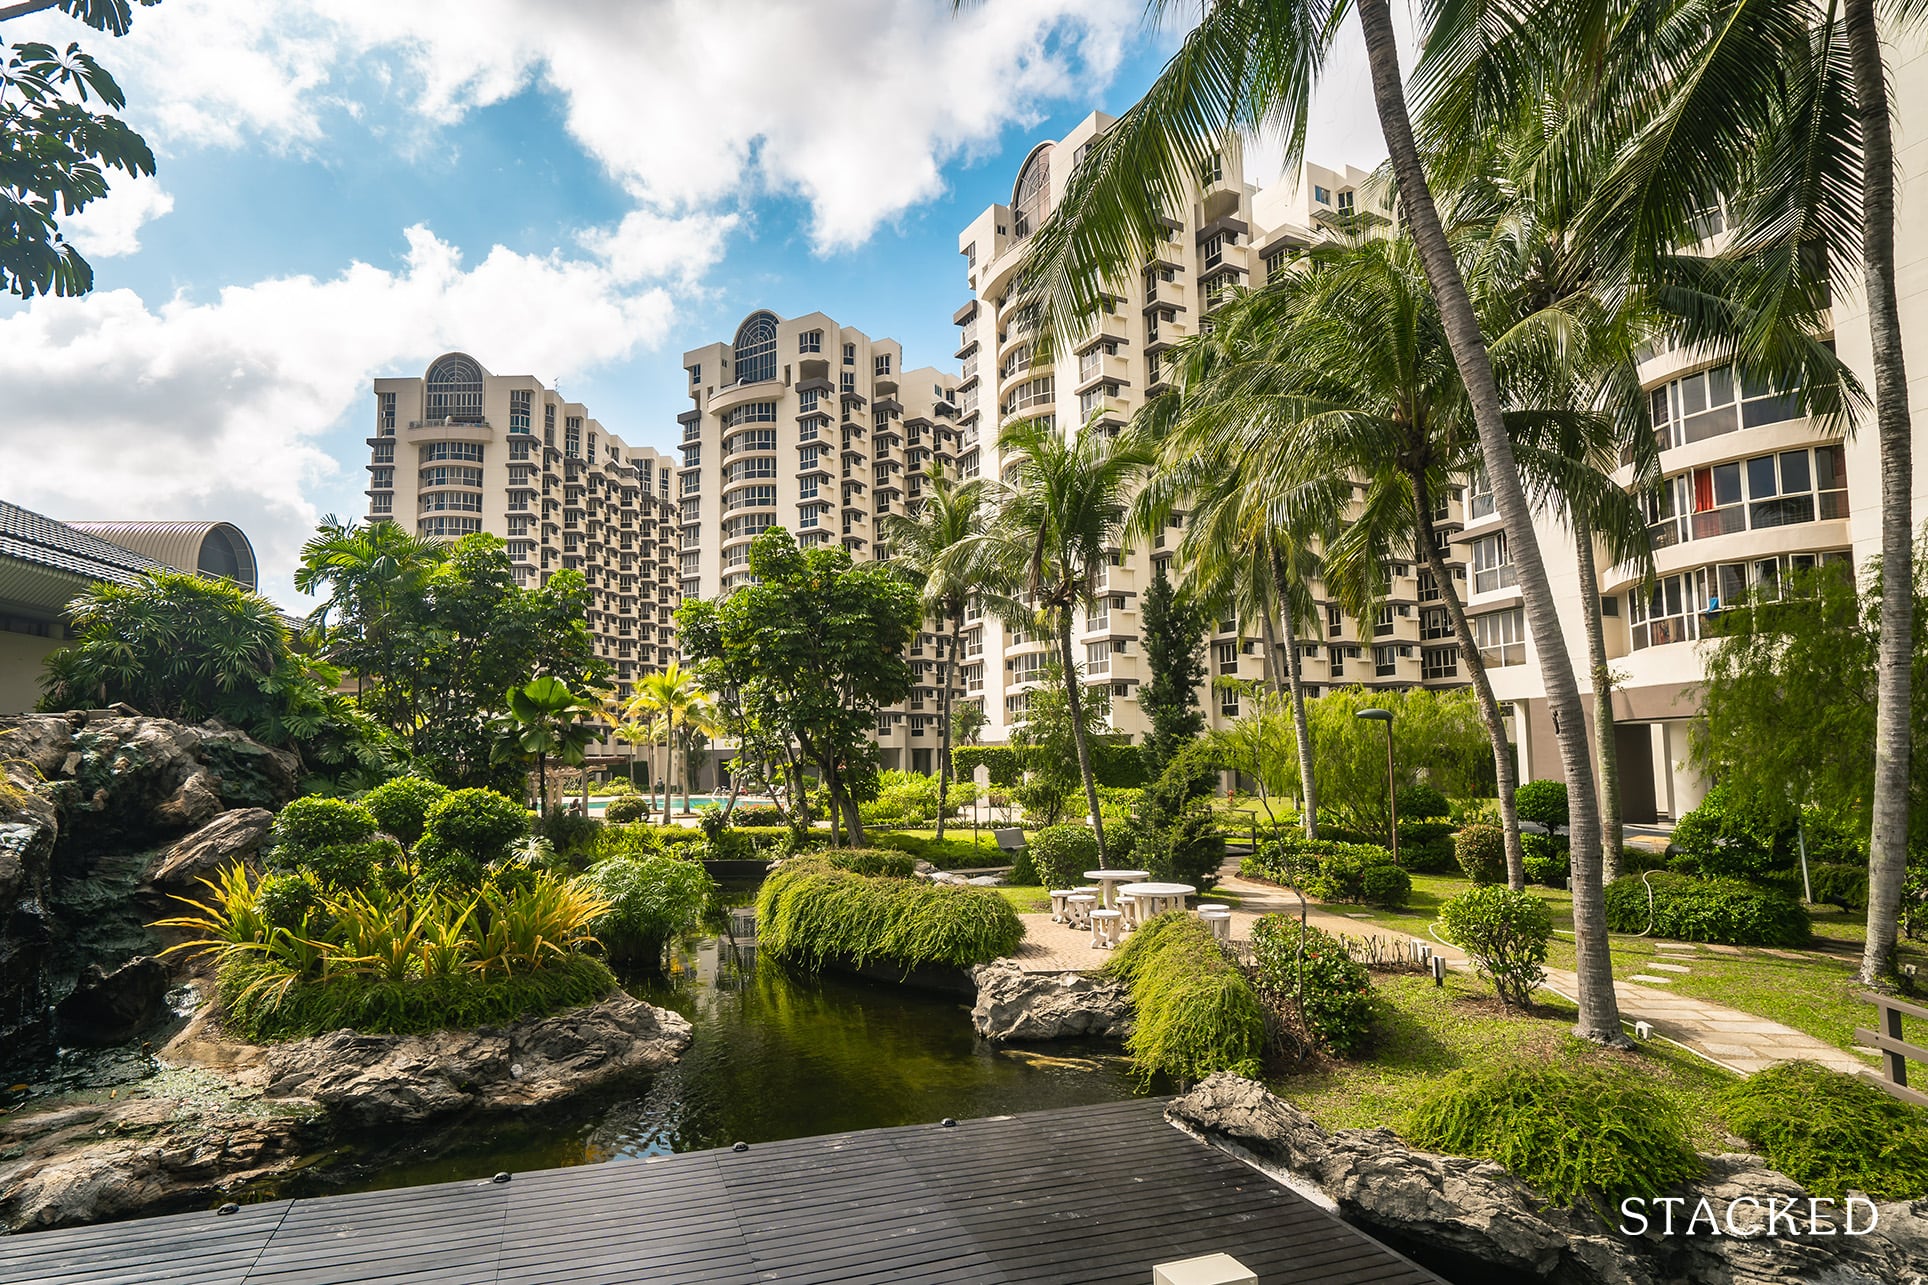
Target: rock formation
1016,1005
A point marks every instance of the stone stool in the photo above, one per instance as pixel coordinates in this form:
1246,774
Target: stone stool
1057,903
1077,909
1221,921
1204,906
1104,928
1129,905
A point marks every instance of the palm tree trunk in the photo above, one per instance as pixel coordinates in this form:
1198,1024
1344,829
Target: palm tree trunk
686,767
1604,751
1301,726
1599,1009
1888,846
1074,698
542,785
1505,774
944,712
669,763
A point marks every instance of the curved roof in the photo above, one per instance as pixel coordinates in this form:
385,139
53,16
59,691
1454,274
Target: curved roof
209,548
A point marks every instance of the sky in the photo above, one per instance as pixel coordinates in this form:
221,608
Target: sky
578,191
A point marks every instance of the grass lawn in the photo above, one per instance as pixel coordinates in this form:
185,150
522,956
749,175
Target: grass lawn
1027,899
1424,1031
1812,990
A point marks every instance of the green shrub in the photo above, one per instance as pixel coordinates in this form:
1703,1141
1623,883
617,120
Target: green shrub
285,900
1547,859
1543,803
872,861
1578,1137
809,913
949,853
1118,764
1330,870
1505,933
1425,847
627,839
1421,802
572,833
400,806
625,808
1195,1013
314,822
1024,874
1005,765
1062,853
1840,885
1689,908
651,899
1725,835
1481,852
680,841
477,824
1336,1002
1389,886
1832,1133
757,814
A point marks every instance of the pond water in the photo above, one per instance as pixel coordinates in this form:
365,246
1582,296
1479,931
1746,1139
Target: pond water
774,1056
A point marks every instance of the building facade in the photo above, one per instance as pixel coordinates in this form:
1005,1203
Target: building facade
461,450
813,426
1228,234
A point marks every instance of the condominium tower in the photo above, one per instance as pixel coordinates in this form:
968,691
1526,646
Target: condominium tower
460,451
1228,234
817,427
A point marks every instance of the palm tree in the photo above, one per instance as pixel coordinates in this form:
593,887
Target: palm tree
368,571
1251,64
947,516
546,718
701,724
668,693
1060,508
633,728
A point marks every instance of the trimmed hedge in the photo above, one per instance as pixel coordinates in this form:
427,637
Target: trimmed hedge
1578,1137
1689,908
1421,802
948,853
1481,852
1195,1012
1003,761
1426,847
1336,1003
1331,871
400,806
810,913
1832,1133
1542,802
625,808
1115,763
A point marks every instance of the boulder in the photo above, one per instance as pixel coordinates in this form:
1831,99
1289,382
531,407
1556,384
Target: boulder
29,830
230,837
1016,1005
108,1008
1477,1217
407,1079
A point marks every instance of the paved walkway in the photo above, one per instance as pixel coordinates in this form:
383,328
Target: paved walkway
1739,1041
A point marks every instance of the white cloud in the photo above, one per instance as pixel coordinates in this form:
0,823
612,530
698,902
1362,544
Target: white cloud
111,225
854,106
220,409
647,245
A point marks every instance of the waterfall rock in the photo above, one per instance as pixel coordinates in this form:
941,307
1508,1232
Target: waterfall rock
107,1008
1016,1005
230,837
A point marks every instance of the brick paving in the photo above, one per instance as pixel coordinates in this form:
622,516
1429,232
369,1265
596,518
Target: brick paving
1739,1041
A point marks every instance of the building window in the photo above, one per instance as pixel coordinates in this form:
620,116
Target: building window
850,354
455,390
384,453
1492,568
469,451
1321,195
572,437
387,420
696,374
451,475
1439,662
755,439
810,341
1031,198
1479,497
1434,622
520,400
880,365
1501,636
750,413
1345,201
755,349
1385,661
448,527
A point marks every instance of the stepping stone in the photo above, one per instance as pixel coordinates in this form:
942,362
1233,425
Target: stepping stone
1358,914
1650,979
1672,968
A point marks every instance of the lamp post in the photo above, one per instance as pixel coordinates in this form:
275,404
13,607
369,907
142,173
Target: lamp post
1392,795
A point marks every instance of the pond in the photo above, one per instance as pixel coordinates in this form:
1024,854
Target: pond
774,1056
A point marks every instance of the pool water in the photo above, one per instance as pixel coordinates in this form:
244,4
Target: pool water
676,801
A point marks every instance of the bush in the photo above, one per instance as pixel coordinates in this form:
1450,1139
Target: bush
1118,763
871,861
625,808
1543,803
1331,871
1336,1003
1062,853
285,900
1425,847
1832,1133
651,899
1547,859
1195,1013
1506,934
1839,885
1385,885
1575,1136
1727,836
757,814
1024,874
572,833
948,853
1688,908
479,823
1421,802
1481,852
400,806
809,913
332,839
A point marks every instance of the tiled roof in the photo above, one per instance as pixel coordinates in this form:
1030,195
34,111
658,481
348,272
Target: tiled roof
30,537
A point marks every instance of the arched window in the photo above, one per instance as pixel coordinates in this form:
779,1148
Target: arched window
454,390
1031,200
755,349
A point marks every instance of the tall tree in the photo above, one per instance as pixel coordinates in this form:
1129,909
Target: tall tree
1061,508
373,576
947,515
810,651
669,696
1173,634
56,147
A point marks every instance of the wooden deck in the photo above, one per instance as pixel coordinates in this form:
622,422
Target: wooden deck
1090,1194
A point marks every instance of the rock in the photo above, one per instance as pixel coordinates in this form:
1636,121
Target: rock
195,802
406,1079
108,1008
1016,1005
230,837
29,830
1476,1215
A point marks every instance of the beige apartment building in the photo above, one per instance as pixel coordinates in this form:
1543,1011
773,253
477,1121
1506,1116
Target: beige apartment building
461,450
813,426
1229,234
1750,490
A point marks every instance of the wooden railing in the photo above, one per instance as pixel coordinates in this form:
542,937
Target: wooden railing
1895,1051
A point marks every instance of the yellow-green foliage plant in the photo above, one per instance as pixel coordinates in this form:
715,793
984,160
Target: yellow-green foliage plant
1195,1013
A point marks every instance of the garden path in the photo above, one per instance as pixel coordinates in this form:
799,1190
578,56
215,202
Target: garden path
1739,1041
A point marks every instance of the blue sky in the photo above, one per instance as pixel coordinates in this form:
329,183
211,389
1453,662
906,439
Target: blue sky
347,187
